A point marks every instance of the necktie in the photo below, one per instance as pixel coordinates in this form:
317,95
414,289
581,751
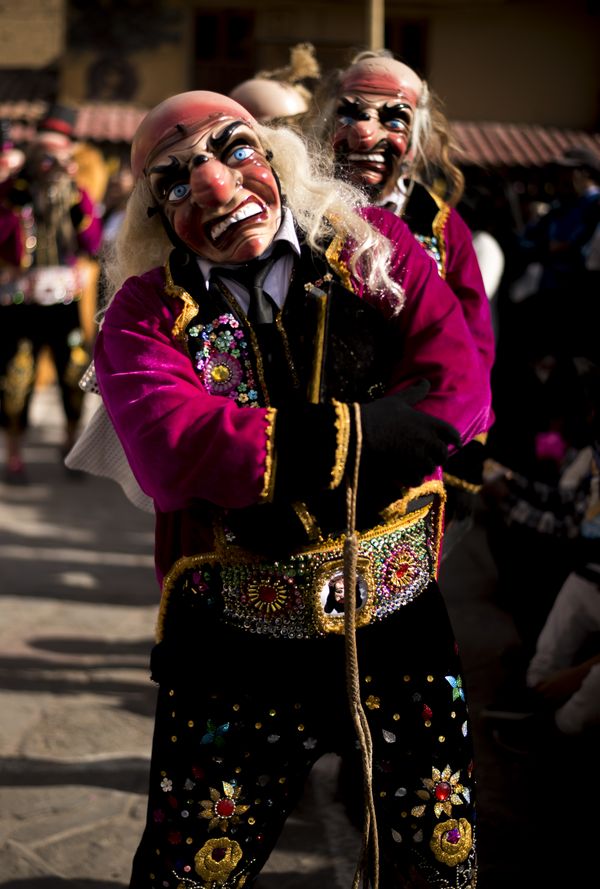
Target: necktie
251,275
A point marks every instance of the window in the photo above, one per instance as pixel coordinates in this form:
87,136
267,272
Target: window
224,49
407,39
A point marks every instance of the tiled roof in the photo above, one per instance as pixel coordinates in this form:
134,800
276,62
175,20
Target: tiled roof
517,145
96,121
486,144
108,122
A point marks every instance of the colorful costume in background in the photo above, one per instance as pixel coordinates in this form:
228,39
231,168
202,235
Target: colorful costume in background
44,227
215,414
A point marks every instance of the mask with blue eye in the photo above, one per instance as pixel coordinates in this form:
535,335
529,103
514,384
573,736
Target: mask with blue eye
178,192
242,153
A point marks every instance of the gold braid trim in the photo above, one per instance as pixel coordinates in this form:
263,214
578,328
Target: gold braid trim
332,255
266,494
438,226
85,223
342,442
308,521
455,482
399,508
190,306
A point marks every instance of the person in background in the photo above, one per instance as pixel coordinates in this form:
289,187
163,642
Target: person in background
284,95
270,332
391,138
559,683
58,222
557,245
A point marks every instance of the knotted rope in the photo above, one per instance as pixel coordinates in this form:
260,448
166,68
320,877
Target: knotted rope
369,853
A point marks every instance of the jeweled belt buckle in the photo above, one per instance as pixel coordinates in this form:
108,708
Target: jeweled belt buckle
329,595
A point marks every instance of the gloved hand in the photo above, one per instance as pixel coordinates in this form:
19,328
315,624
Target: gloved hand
402,445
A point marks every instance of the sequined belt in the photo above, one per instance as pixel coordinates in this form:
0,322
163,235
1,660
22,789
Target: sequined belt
44,286
302,596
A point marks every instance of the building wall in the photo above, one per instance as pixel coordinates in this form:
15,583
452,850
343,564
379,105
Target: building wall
524,61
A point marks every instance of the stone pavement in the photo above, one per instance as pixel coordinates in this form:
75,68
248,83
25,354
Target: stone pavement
78,601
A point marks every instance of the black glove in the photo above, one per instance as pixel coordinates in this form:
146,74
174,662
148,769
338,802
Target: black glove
401,445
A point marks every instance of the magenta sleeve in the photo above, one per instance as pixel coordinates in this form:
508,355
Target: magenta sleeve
434,341
183,444
464,278
89,226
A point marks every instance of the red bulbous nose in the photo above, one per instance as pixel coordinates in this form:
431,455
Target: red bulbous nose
363,134
213,184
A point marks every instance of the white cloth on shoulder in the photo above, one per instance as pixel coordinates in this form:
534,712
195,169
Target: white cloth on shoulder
99,452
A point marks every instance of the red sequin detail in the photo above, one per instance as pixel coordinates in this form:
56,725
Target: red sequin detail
218,854
427,712
443,790
225,808
267,594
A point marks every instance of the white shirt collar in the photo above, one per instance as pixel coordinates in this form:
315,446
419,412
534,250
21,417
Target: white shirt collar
397,198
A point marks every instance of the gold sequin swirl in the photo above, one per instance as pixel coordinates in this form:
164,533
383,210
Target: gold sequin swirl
266,494
190,306
342,442
451,841
217,858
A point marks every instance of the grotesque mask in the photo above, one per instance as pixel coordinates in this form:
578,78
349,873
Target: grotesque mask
209,176
376,105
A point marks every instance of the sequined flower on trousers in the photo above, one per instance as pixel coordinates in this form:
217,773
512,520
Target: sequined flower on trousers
451,841
444,789
223,810
457,687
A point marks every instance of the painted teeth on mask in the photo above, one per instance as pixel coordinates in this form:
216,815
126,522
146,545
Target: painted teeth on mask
243,213
374,158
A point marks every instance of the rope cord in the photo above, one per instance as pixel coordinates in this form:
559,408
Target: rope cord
369,852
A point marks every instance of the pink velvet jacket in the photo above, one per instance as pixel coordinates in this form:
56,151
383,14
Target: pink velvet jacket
464,277
191,450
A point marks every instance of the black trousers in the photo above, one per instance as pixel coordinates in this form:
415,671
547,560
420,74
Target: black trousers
241,719
25,330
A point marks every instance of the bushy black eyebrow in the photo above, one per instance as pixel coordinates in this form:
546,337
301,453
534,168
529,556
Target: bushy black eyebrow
166,168
350,106
215,143
388,112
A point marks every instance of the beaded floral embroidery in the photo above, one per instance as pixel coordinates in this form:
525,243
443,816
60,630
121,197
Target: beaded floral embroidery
221,355
431,245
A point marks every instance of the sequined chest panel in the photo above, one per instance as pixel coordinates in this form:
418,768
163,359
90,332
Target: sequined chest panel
222,355
432,246
427,216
